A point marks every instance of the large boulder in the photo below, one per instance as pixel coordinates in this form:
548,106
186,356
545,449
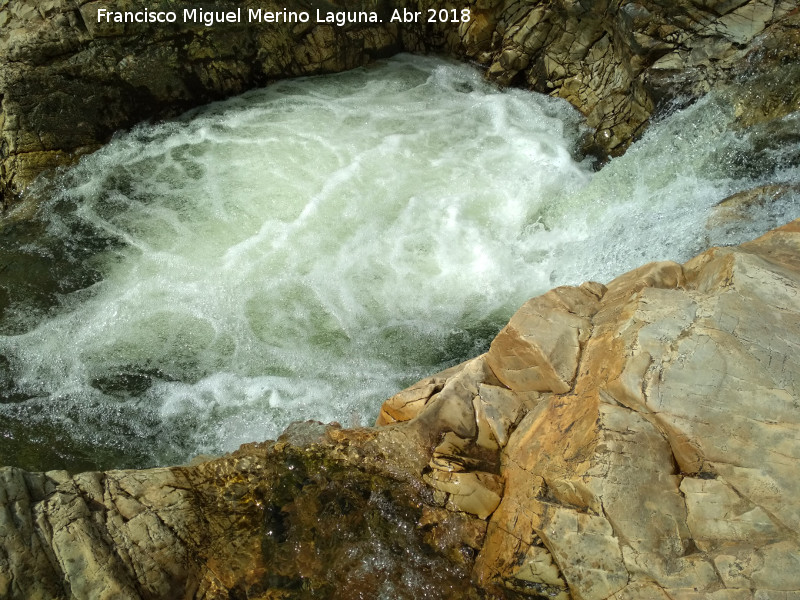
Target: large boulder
633,440
68,82
658,451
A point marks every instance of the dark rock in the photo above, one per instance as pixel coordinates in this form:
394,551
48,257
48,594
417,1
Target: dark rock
68,82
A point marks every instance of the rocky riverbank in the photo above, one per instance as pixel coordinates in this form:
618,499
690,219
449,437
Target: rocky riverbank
68,81
631,440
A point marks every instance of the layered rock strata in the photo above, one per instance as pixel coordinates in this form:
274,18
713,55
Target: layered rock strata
617,60
67,82
634,440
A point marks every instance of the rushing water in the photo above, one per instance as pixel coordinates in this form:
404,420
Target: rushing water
305,250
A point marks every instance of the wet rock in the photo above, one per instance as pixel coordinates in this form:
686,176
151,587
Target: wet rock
661,462
268,521
68,81
738,210
772,75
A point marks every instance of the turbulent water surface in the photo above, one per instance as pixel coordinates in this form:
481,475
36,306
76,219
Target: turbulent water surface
306,250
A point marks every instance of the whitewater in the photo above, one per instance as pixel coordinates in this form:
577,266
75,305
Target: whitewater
306,250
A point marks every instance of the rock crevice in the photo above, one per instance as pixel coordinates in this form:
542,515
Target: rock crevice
68,82
657,458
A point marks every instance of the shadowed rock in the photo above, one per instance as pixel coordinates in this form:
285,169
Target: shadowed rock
68,82
661,463
617,60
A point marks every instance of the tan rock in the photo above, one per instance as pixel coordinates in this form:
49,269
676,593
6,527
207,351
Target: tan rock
586,542
667,469
717,514
610,445
407,404
538,567
497,411
452,409
475,492
538,350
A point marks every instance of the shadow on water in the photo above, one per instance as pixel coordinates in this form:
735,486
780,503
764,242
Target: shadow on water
44,258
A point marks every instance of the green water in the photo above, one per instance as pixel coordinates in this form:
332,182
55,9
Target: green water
304,251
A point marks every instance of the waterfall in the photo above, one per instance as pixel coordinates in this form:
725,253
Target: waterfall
305,250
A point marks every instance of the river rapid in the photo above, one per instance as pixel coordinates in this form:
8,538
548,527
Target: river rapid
306,250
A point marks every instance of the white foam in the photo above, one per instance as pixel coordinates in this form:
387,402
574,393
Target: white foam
305,250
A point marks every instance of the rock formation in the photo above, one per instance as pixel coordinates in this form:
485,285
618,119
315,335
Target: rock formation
68,82
617,61
634,440
631,441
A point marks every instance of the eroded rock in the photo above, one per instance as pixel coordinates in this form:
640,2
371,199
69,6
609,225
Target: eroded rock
665,468
618,61
67,81
672,450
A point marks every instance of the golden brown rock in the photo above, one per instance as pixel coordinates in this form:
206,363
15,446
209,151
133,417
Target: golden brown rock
539,348
408,403
681,432
667,469
673,450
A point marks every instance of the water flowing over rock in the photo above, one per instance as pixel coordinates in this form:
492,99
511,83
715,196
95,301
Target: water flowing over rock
618,61
67,81
631,440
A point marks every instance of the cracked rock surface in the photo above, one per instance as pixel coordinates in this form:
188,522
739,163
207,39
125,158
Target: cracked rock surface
634,440
618,61
68,82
